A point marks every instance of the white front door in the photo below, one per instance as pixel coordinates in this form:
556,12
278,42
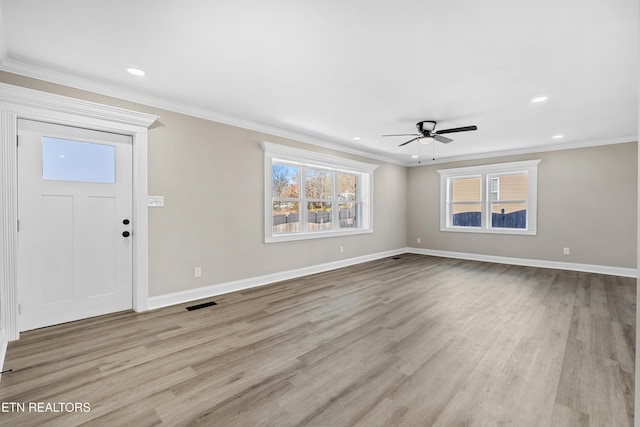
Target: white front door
75,224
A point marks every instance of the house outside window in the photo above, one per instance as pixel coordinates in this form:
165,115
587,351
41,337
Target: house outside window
499,198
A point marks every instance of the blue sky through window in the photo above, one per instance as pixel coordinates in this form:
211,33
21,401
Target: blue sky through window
68,160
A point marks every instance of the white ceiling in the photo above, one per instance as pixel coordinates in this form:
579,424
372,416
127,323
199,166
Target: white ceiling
325,71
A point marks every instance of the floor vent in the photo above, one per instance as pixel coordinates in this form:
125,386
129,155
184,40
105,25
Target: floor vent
396,257
203,305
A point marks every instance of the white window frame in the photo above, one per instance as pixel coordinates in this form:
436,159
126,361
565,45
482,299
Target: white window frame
284,154
486,172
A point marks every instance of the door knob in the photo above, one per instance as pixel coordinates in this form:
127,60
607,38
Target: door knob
126,234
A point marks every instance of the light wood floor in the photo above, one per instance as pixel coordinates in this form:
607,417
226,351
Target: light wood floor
415,341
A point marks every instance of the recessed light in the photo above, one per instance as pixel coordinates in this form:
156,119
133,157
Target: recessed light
356,138
539,99
415,156
558,136
136,72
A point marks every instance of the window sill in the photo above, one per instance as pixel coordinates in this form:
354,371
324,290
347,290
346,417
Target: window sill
489,231
314,235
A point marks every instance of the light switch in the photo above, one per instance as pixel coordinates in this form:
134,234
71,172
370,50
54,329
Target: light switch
155,201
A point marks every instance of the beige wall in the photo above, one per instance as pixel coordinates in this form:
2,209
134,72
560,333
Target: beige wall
587,201
211,176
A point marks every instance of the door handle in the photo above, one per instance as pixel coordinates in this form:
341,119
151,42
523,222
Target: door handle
126,234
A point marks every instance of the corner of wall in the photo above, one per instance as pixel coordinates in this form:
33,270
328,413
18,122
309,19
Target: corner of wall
3,350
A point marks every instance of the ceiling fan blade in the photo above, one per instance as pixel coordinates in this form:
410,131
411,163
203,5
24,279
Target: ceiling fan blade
462,129
442,139
404,134
411,140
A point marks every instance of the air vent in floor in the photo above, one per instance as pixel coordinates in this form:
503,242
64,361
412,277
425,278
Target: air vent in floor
203,305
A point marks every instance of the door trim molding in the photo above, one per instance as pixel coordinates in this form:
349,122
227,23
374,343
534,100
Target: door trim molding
18,102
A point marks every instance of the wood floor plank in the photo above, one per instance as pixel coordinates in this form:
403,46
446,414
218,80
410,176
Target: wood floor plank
405,341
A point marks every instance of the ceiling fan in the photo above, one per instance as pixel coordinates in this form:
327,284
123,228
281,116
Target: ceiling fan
427,129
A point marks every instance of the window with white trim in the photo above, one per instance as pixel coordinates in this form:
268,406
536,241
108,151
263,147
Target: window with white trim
313,195
499,198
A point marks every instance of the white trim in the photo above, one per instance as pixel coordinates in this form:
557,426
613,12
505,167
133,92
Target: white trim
22,69
17,102
32,71
284,152
529,150
56,107
3,350
587,268
253,282
313,234
8,224
493,168
530,167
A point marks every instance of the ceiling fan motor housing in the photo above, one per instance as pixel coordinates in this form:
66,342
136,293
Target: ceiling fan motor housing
431,125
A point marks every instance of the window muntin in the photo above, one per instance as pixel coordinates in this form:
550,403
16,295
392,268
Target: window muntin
68,160
311,195
328,194
499,198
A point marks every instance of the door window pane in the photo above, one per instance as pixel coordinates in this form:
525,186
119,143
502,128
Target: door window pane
68,160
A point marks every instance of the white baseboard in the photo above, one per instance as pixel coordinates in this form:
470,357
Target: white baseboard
3,350
238,285
588,268
253,282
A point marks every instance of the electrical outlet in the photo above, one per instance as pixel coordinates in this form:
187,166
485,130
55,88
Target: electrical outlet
341,249
419,240
566,251
197,272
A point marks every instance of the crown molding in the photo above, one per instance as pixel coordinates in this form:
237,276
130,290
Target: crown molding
531,150
64,79
41,73
30,98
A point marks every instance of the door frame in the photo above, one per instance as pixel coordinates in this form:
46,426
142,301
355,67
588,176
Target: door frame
19,102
